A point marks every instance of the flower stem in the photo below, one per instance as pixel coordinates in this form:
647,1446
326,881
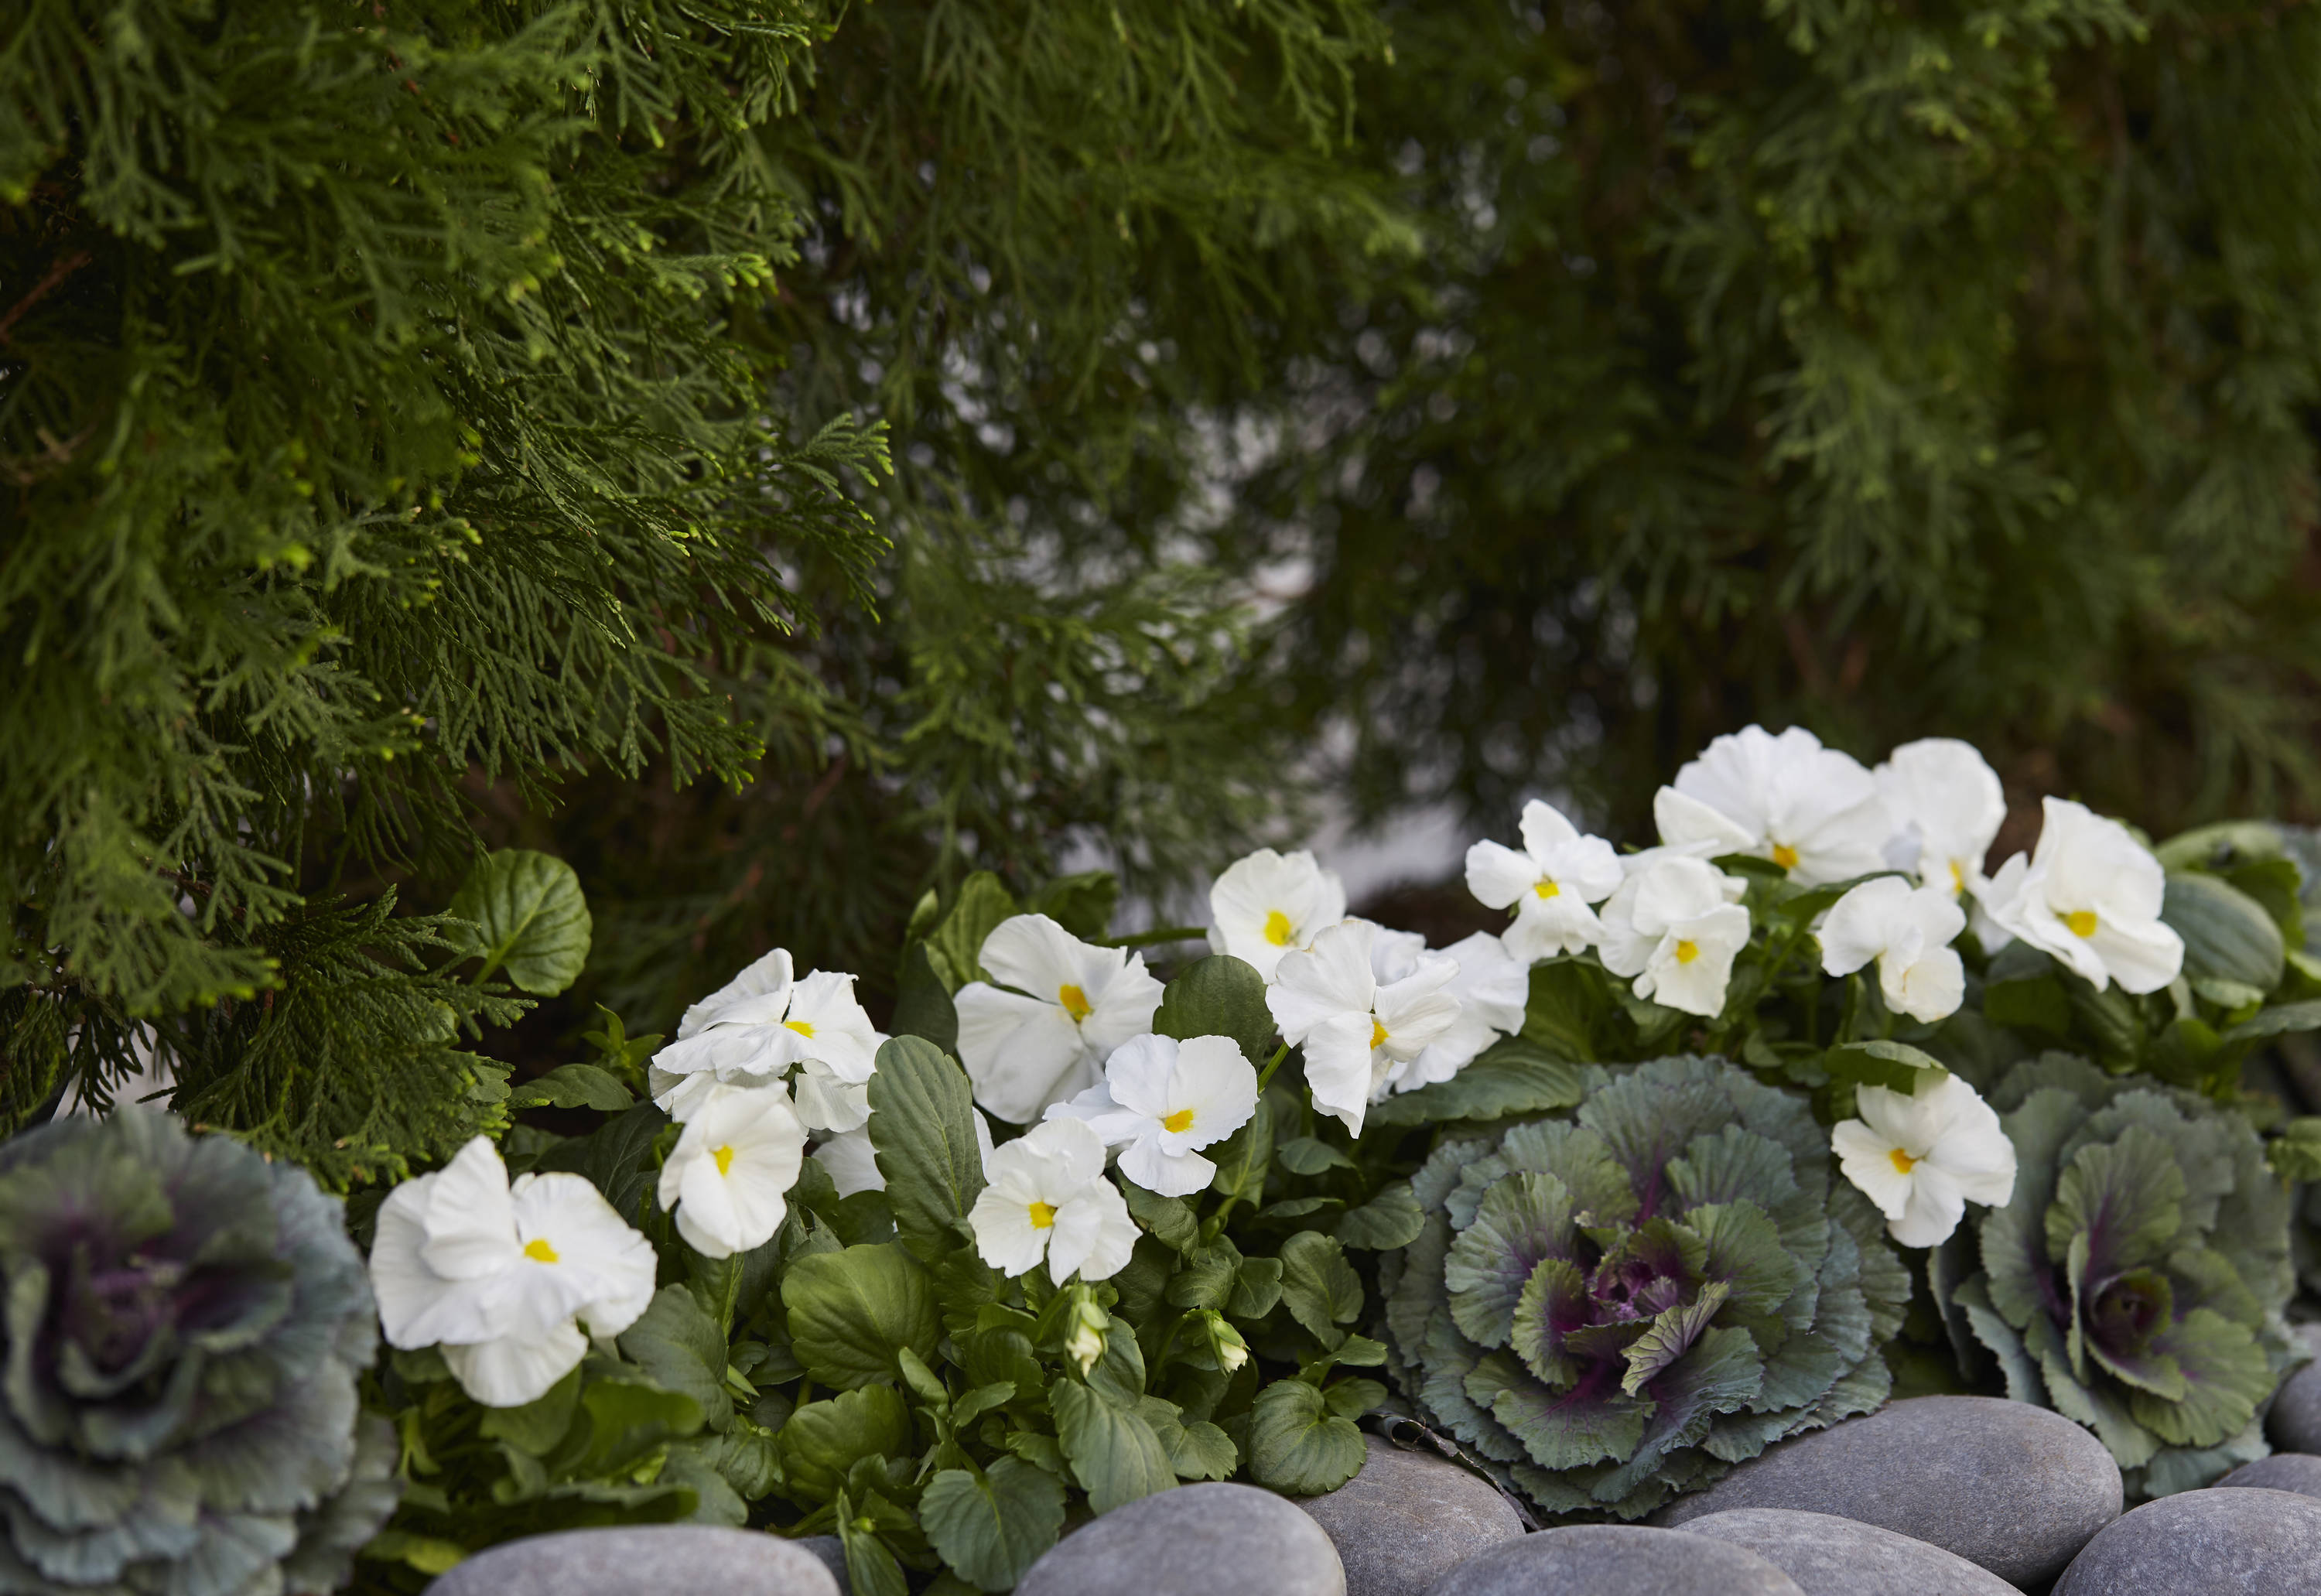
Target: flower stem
1265,1076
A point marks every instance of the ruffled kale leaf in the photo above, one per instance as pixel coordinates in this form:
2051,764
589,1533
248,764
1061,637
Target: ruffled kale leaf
2136,1281
185,1324
1619,1306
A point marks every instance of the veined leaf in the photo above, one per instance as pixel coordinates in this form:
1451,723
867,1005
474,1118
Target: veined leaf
852,1313
1297,1445
1112,1451
1218,996
531,921
922,1132
1895,1065
989,1525
955,950
574,1086
1513,1075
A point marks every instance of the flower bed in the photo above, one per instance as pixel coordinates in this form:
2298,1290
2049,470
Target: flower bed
1721,1142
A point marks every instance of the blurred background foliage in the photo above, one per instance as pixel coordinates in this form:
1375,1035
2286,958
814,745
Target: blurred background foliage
778,456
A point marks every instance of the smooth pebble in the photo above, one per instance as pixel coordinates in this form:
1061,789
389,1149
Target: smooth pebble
1587,1559
2294,1421
624,1561
1833,1556
1409,1518
2247,1541
2016,1488
2299,1471
1196,1540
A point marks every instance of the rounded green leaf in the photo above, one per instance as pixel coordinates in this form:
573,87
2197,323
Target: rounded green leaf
2228,934
1297,1445
823,1440
852,1313
532,920
1218,996
989,1525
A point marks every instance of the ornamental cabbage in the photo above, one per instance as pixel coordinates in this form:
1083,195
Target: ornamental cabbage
2136,1281
185,1324
1620,1309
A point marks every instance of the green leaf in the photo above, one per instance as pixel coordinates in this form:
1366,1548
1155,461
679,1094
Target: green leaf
2278,1021
871,1569
1894,1065
628,1418
2294,1155
1257,1287
1512,1076
1298,1208
531,921
1196,1451
2228,934
1392,1218
991,1524
1242,1159
1310,1155
955,950
680,1346
1567,1003
1297,1445
1169,1219
1113,1452
1081,904
923,1005
922,1132
2029,1003
1318,1286
823,1440
1218,996
2221,846
538,1426
853,1312
1207,1277
574,1086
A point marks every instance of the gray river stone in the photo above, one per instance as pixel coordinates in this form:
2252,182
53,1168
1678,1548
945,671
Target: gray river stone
2013,1488
2299,1471
1833,1556
2247,1541
2294,1422
832,1551
625,1561
1408,1518
1196,1540
1615,1560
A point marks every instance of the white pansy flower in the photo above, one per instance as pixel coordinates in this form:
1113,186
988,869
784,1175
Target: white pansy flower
2089,894
1043,1042
1812,810
726,1179
1921,1157
1161,1101
1270,904
1492,987
1357,1031
1674,927
1688,827
1947,807
759,1028
1550,883
1908,931
1047,1197
497,1275
850,1161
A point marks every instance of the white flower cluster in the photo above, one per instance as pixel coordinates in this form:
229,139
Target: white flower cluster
1919,826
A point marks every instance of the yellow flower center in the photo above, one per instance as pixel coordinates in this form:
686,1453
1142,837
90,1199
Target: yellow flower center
725,1157
1547,889
1074,1000
1686,951
1957,878
1042,1215
1377,1033
804,1027
538,1250
2082,921
1785,857
1903,1161
1277,928
1181,1120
